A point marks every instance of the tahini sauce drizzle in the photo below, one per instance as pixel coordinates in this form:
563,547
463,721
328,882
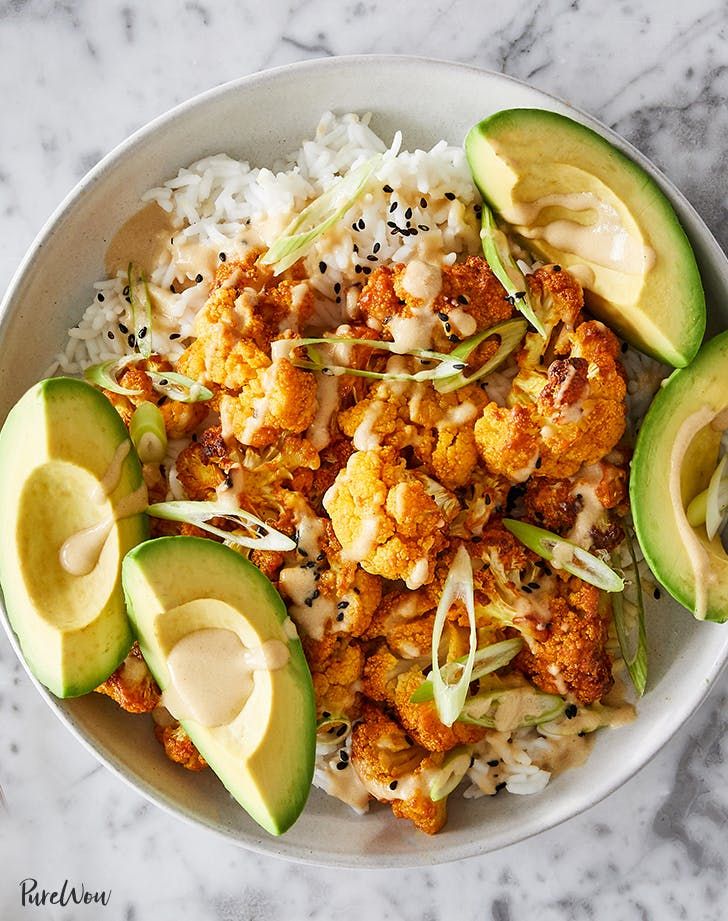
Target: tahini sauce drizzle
80,553
211,674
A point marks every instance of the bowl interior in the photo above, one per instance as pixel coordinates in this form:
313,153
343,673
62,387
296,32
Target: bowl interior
257,118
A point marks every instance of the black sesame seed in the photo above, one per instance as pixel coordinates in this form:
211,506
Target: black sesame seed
408,224
538,463
354,227
443,316
448,328
175,335
340,765
315,594
462,299
392,224
261,531
100,297
308,602
487,499
341,731
366,270
519,295
229,481
557,268
493,762
302,552
581,734
128,300
625,346
408,739
527,590
340,616
309,565
454,338
387,188
110,334
163,382
546,569
325,714
171,288
450,196
362,225
393,785
534,585
408,214
393,207
131,339
357,269
657,594
142,332
372,258
356,248
337,287
198,278
222,257
459,367
472,760
322,267
125,292
338,300
344,754
423,203
342,604
475,539
570,712
500,786
423,227
321,556
377,246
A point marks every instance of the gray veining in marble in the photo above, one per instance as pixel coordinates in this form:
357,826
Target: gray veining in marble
75,79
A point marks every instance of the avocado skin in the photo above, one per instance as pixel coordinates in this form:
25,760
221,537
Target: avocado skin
64,420
683,287
208,569
686,390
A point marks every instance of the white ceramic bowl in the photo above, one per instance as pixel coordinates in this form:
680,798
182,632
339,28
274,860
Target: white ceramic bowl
257,117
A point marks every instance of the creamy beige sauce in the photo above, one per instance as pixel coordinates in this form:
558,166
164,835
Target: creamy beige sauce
298,582
463,323
458,415
80,552
345,785
366,540
697,555
141,240
257,418
365,438
327,401
211,674
422,281
110,480
605,241
591,511
417,575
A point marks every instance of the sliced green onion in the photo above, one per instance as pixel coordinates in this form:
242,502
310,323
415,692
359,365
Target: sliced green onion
716,500
587,719
629,622
303,231
178,387
449,774
449,698
104,375
329,729
487,660
563,554
503,266
198,513
141,309
511,333
505,709
148,433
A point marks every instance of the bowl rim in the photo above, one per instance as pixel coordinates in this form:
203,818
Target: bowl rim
276,847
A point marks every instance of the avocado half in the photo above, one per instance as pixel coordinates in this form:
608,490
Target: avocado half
675,455
549,178
175,586
57,445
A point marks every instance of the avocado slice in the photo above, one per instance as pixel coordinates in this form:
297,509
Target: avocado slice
675,455
265,754
59,444
574,199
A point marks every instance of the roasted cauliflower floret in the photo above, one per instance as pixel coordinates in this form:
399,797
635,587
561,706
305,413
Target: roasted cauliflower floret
422,721
198,476
336,667
570,656
384,518
280,399
571,414
178,746
132,685
394,770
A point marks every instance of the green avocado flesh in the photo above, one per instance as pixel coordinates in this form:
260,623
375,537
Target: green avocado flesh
677,435
56,447
574,199
175,586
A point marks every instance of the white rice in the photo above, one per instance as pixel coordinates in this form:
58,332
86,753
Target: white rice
224,205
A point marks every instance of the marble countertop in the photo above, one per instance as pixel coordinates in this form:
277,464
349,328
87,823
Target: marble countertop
77,77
